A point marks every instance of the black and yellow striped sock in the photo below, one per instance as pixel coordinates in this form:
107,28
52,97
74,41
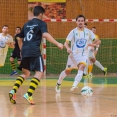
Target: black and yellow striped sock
13,66
18,83
33,85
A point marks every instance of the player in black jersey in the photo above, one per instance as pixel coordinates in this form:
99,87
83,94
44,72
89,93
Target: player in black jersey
31,34
16,52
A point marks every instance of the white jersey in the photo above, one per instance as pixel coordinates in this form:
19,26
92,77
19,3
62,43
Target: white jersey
3,46
80,40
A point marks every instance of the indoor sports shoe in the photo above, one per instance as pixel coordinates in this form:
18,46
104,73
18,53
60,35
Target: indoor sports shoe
73,88
29,99
57,88
85,75
13,73
12,96
105,71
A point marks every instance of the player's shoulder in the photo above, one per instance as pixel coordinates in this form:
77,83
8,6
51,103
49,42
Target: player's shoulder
73,30
35,22
8,35
86,29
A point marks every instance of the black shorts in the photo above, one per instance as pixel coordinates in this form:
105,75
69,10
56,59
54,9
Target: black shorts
16,54
32,64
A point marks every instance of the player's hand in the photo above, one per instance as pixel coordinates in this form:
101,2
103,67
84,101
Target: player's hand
69,50
60,45
95,52
7,43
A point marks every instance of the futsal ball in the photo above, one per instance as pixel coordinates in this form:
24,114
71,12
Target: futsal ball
87,91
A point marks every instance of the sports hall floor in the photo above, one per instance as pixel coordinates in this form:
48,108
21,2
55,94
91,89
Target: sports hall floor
103,103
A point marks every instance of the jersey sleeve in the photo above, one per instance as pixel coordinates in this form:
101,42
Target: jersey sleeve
70,36
44,27
92,36
11,39
21,35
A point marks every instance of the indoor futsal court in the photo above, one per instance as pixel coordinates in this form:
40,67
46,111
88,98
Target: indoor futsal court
60,17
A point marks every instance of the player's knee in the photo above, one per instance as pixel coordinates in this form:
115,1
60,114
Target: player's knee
19,62
67,72
93,60
11,59
82,66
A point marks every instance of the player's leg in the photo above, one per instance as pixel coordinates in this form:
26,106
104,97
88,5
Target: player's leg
62,75
25,67
98,64
78,76
12,57
81,60
36,64
70,64
2,60
90,68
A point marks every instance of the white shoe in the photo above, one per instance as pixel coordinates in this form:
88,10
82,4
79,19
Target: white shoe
73,87
57,88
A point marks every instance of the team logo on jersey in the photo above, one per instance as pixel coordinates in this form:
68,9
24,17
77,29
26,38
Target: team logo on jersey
2,44
80,43
76,33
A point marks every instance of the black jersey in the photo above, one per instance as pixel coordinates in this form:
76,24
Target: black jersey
16,42
32,33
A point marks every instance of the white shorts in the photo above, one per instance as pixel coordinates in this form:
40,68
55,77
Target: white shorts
80,59
2,60
91,54
70,64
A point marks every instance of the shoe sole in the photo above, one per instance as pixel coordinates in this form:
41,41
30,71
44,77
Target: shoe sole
11,98
14,74
28,101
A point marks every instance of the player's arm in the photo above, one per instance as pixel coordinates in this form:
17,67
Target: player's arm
66,44
52,40
10,43
46,35
20,38
68,39
96,41
20,42
97,47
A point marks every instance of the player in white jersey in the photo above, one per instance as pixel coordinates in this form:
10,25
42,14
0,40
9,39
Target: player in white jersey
92,57
79,38
6,41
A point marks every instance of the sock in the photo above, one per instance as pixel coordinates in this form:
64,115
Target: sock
97,63
78,78
33,85
13,66
61,77
18,83
86,70
90,68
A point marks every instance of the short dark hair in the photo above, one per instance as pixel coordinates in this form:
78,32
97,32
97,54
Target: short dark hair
19,27
38,10
5,26
94,27
80,16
